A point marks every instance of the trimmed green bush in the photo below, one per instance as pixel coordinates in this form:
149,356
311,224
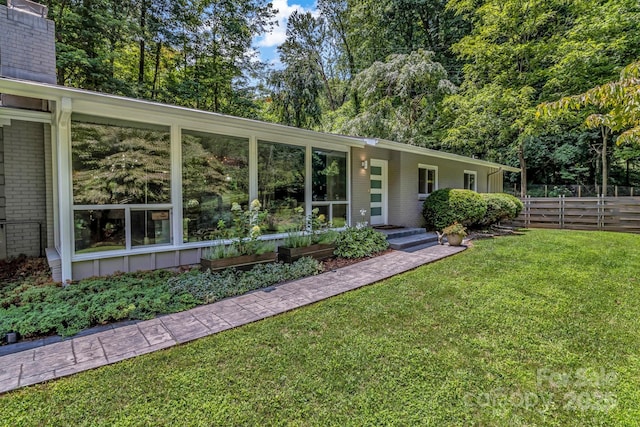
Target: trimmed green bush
446,206
500,207
360,242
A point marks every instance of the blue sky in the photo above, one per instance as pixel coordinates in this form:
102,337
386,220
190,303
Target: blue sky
267,43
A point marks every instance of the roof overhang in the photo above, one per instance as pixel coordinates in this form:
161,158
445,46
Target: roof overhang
89,102
397,146
96,103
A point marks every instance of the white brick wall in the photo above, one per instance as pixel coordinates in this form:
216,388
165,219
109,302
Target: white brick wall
25,186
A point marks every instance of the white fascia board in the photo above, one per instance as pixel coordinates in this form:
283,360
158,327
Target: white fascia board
24,115
106,105
397,146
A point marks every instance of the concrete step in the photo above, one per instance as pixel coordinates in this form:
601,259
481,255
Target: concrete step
423,239
401,232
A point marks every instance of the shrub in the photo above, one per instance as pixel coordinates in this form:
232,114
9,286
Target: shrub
360,242
500,207
446,206
206,287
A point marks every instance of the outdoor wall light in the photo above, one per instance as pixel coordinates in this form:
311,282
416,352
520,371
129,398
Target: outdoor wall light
365,164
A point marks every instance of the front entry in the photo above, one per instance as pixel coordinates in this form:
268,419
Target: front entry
378,192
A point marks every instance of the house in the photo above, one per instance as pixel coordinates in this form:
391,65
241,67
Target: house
107,183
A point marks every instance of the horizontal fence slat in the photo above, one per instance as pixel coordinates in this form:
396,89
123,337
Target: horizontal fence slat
581,213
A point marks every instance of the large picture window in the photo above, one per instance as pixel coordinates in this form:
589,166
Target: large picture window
281,178
121,184
215,174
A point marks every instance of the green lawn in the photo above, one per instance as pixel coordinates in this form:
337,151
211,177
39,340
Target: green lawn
540,329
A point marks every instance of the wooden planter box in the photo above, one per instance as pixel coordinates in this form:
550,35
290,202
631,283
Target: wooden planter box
318,251
243,262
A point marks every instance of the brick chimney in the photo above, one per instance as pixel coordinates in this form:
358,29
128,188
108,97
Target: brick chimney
27,47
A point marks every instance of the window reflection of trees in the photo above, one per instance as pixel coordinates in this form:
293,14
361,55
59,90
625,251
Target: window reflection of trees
281,182
120,165
215,174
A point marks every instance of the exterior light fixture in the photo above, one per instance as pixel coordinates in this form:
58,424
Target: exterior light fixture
365,164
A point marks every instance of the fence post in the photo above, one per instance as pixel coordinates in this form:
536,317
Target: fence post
579,190
615,191
631,191
545,190
561,210
600,201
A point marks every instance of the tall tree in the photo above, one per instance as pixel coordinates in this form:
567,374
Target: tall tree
400,98
619,106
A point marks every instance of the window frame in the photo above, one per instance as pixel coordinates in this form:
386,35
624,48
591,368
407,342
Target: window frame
475,180
424,195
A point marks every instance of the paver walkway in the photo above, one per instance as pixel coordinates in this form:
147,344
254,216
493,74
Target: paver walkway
103,348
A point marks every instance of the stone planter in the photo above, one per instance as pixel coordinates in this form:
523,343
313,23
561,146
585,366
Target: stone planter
12,338
243,262
455,239
318,251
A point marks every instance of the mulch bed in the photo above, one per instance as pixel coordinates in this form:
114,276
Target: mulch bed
335,263
22,267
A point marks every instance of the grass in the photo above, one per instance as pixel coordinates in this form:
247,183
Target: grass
541,329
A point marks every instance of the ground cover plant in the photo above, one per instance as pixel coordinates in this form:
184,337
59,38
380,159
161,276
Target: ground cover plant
540,329
45,308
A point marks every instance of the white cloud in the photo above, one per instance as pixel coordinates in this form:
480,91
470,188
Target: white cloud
278,34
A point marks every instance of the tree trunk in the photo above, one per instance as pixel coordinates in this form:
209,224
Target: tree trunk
143,18
605,163
523,170
154,88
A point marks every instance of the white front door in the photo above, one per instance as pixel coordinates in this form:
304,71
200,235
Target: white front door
378,192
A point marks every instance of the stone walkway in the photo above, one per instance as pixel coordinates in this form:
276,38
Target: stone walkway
87,352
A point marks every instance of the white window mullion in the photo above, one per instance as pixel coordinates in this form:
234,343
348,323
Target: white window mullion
253,168
127,227
176,184
308,183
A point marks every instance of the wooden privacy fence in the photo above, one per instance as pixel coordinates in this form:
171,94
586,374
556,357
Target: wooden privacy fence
581,213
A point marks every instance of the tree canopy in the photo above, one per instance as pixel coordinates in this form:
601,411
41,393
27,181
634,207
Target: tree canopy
464,76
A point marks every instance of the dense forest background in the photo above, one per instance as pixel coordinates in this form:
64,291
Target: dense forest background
463,76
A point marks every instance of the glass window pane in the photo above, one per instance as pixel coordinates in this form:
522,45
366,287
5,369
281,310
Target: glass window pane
431,180
215,174
376,198
376,170
376,211
120,164
150,227
99,230
422,179
281,175
329,175
466,181
339,219
472,182
375,183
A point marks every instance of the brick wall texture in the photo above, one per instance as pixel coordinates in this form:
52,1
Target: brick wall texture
25,187
27,46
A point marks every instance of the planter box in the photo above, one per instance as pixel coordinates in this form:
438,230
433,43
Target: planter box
243,262
318,251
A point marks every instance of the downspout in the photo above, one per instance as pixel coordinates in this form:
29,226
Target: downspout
492,173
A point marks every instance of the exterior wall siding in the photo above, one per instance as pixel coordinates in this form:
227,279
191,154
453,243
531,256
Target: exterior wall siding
405,208
25,187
